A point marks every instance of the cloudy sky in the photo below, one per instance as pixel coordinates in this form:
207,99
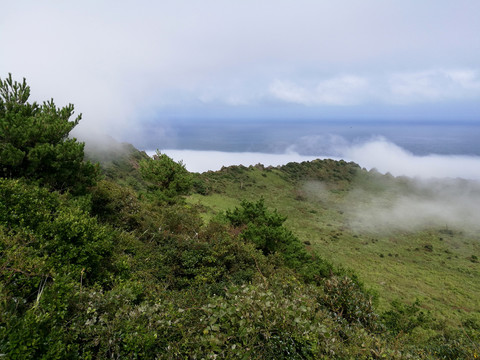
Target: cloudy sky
126,64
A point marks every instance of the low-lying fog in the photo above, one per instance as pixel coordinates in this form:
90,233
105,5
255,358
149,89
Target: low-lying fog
378,153
442,191
406,204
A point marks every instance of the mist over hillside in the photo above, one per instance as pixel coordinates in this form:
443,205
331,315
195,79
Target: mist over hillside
439,194
269,180
411,205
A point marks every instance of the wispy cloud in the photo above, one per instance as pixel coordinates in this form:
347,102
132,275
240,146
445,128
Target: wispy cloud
414,205
400,88
342,90
434,86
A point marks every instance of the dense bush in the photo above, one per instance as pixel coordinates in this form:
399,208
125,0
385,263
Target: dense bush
50,248
168,179
116,205
324,170
404,318
133,272
266,230
50,230
346,300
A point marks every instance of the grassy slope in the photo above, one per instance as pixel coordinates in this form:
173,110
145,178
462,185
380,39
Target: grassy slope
431,265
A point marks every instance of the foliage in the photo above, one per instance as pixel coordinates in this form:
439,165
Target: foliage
346,300
34,141
404,317
54,233
115,204
266,230
168,178
109,273
211,260
324,170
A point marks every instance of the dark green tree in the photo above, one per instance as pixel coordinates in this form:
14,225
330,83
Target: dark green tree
262,227
266,230
168,179
34,141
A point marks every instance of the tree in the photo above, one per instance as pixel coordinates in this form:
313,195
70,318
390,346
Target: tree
168,179
34,141
264,228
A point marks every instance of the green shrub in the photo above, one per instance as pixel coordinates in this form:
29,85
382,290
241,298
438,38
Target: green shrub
210,259
266,231
346,300
452,345
116,205
40,331
404,318
263,228
168,179
54,229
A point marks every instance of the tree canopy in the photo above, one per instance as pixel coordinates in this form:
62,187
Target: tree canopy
35,143
167,178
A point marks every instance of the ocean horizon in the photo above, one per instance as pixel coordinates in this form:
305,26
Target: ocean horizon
420,148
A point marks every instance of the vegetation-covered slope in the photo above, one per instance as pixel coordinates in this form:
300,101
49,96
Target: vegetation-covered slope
119,265
390,231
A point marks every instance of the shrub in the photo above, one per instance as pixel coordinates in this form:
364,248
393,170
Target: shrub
404,318
262,227
266,231
168,179
116,205
53,229
345,299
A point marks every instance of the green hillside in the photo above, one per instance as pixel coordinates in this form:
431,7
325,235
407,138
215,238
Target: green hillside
435,263
108,253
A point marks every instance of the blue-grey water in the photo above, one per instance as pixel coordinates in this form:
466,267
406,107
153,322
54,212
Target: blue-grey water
309,137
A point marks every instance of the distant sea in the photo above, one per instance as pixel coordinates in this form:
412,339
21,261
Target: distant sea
310,137
423,149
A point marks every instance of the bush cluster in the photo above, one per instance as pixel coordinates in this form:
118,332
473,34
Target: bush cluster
133,272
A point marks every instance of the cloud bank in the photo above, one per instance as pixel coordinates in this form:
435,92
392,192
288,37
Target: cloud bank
435,191
388,157
396,88
377,153
201,161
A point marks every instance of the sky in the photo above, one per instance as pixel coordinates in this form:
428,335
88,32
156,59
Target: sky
133,65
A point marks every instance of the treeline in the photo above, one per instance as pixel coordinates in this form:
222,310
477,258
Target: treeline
112,263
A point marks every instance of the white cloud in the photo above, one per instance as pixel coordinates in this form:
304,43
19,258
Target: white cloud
290,92
434,85
388,157
425,86
466,78
342,90
201,161
377,153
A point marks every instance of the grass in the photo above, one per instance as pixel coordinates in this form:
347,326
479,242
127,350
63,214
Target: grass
433,265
